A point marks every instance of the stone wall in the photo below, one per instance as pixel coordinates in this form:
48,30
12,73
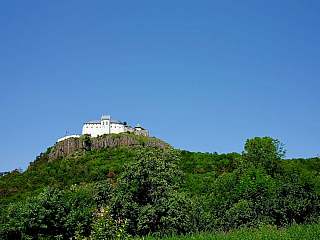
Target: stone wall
142,132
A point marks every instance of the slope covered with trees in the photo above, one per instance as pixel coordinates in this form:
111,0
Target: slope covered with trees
135,191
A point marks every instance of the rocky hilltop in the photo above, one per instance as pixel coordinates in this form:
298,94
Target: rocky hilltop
87,143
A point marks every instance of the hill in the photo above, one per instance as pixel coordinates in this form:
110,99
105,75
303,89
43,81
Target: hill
127,184
87,160
75,161
85,143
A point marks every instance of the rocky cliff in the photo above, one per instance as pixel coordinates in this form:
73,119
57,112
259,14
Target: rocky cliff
86,143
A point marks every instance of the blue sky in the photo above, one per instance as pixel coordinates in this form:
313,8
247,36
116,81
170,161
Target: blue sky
201,75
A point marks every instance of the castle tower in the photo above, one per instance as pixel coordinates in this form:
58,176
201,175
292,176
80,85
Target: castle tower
105,124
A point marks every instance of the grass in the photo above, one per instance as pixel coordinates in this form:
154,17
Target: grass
302,231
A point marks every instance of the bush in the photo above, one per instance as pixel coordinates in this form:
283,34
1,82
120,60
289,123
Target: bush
53,213
148,195
104,226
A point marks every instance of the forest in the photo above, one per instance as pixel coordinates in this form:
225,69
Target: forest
146,193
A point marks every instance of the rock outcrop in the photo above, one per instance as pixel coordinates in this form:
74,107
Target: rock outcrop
86,143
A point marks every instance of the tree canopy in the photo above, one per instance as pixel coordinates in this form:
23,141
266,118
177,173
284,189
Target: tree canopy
265,152
115,192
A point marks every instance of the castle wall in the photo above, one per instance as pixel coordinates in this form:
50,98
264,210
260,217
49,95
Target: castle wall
96,129
69,136
92,128
116,128
141,132
106,126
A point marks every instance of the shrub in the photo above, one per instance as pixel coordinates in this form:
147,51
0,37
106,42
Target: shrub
53,213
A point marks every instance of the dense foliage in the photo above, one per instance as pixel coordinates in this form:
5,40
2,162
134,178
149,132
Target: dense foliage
107,163
123,192
53,213
64,172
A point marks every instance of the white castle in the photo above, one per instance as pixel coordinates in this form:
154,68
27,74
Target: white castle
96,128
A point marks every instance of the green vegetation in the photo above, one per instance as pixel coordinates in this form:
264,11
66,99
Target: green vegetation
294,232
64,172
132,192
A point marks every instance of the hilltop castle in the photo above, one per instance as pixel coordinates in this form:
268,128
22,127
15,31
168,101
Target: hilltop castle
106,126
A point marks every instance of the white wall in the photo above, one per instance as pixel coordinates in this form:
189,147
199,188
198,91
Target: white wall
70,136
93,128
116,128
96,129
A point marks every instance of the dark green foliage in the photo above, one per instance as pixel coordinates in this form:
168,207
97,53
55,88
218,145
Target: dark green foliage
149,197
63,172
203,168
265,152
105,193
265,190
298,197
104,226
208,162
242,199
53,213
159,192
95,165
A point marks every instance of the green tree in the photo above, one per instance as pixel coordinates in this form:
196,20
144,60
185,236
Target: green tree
52,214
148,195
265,152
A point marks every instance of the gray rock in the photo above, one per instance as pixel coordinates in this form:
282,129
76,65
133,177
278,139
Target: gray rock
86,143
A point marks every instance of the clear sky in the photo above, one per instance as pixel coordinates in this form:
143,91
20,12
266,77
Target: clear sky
203,76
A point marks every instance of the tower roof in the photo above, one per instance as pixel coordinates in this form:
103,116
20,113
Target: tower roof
105,117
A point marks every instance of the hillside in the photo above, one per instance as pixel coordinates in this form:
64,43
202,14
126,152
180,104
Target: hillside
86,160
152,188
75,161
